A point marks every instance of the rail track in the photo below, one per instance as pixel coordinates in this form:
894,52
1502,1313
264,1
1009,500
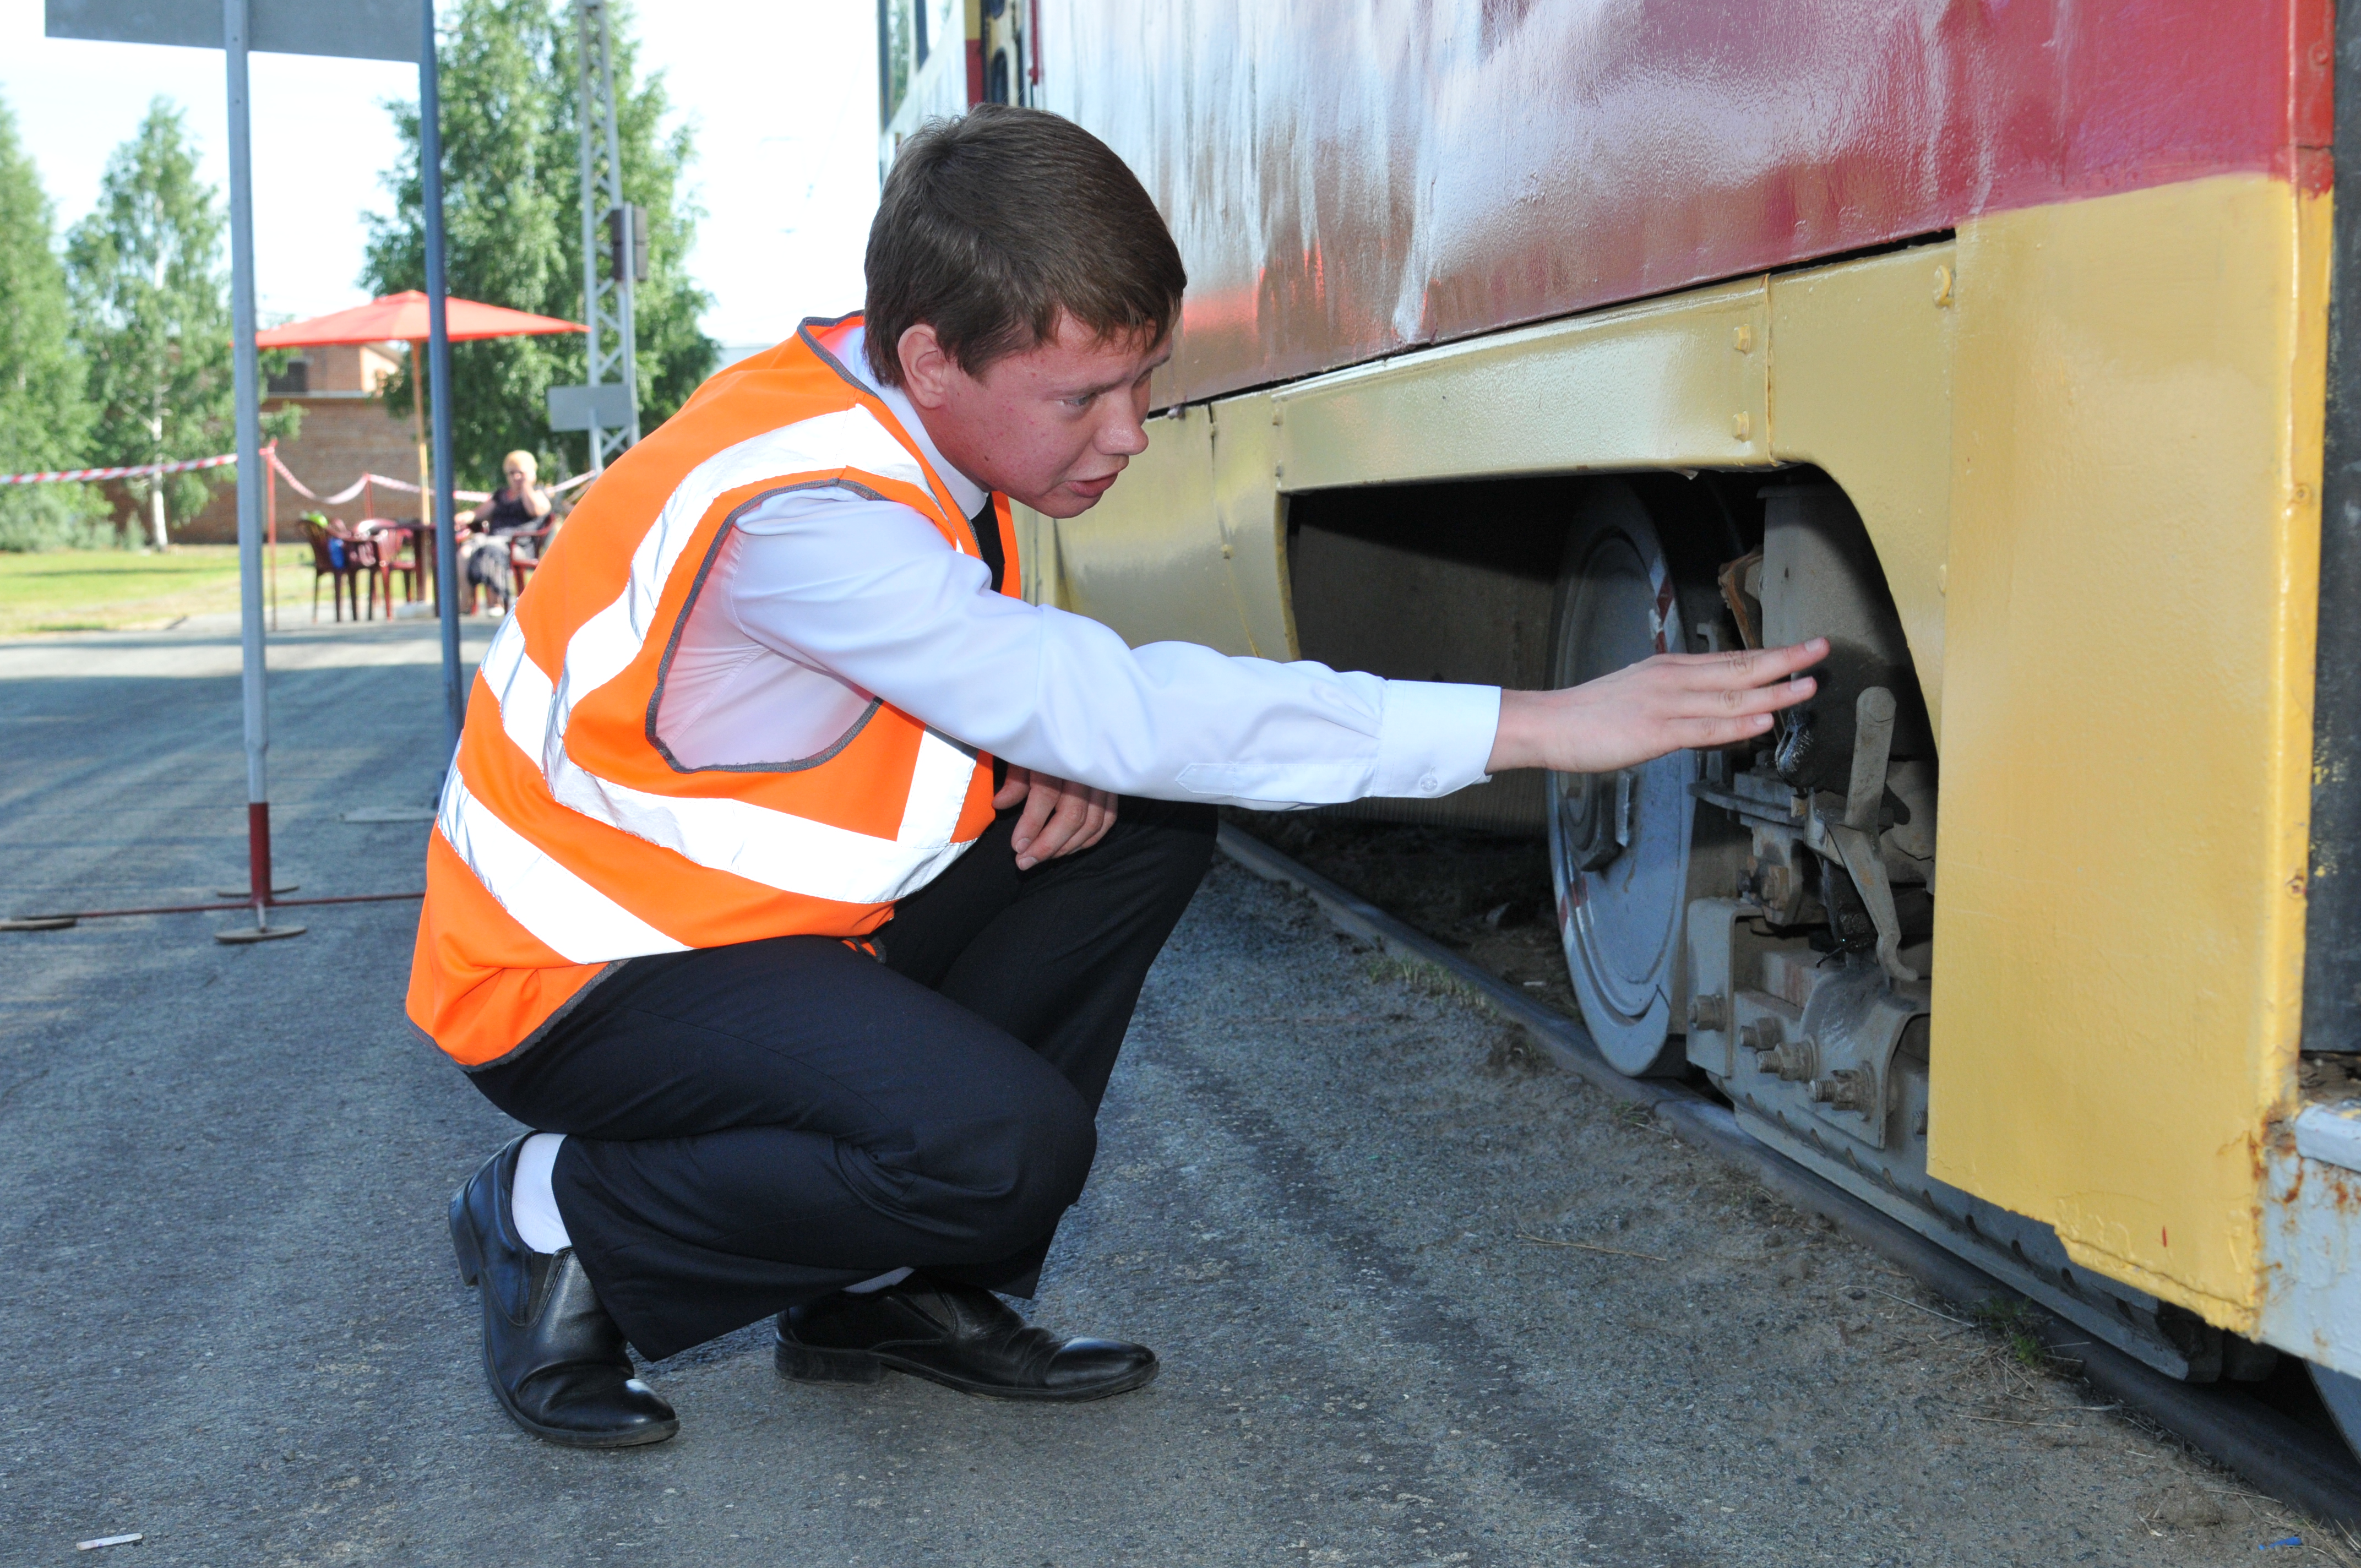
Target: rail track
2307,1468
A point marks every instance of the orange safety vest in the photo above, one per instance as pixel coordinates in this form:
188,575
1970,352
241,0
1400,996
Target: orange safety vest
568,840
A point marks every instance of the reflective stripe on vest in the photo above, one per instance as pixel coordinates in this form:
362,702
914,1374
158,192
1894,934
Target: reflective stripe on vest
593,843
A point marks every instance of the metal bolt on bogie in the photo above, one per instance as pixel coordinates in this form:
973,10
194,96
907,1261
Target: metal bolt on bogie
1792,1063
1846,1089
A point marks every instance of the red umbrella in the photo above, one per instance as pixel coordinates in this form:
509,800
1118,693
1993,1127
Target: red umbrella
403,316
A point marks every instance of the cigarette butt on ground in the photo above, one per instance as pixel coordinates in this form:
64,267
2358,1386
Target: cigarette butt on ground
95,1543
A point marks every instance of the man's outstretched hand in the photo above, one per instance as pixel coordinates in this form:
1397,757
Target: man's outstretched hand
1059,817
1659,705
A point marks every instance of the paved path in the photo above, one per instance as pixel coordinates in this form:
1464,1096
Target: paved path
1421,1301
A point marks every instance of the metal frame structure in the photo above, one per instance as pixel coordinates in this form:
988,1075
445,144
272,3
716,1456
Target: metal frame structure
606,301
357,30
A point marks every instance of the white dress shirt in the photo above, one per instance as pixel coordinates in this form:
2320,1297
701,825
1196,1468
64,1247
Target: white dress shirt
820,600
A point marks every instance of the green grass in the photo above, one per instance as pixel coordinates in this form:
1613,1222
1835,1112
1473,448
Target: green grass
2013,1322
126,590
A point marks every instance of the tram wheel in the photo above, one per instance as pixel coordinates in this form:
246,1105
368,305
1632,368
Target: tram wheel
1620,844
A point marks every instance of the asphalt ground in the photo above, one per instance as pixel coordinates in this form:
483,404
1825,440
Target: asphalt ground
1421,1299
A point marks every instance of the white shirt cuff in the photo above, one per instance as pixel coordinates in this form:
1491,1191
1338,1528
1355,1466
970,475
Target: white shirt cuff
1435,737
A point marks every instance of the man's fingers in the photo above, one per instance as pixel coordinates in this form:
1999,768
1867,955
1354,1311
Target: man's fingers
1102,817
1018,785
1066,810
1040,802
1065,824
1755,666
1098,812
1709,734
1089,823
1080,818
1744,667
1059,817
1765,699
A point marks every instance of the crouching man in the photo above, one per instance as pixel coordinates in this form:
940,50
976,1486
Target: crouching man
797,878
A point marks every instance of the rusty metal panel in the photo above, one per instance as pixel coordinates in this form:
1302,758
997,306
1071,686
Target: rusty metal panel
1349,178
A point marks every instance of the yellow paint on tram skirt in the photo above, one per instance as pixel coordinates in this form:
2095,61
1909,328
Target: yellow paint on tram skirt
2131,592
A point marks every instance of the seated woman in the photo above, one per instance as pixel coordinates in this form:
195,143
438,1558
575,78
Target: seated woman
495,532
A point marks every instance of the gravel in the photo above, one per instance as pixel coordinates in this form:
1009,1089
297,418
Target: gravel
1421,1299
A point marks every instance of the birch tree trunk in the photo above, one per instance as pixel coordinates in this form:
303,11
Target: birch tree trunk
156,489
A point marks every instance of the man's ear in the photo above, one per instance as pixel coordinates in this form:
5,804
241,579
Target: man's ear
926,370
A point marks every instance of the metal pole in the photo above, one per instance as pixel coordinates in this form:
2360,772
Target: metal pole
627,219
585,47
438,361
611,354
250,478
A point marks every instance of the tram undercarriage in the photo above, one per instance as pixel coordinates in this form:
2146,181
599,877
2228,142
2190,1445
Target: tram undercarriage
1763,914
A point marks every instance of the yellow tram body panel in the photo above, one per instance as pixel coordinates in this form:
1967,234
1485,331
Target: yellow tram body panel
2138,393
2085,440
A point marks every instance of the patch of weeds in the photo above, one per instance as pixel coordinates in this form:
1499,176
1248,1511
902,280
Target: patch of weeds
1425,978
2013,1320
1514,1054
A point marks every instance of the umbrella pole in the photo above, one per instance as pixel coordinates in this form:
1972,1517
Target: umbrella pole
425,468
418,429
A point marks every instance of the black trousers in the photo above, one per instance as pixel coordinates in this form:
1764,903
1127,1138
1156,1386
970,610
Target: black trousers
752,1127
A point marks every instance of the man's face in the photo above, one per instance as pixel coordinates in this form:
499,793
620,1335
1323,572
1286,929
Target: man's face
1051,427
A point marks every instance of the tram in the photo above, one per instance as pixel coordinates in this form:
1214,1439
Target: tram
1999,342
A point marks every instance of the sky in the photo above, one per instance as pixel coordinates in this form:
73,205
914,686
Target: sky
788,179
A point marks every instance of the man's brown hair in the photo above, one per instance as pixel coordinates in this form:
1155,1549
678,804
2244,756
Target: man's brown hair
994,222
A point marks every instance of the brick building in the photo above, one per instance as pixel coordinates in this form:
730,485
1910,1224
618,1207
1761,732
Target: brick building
347,433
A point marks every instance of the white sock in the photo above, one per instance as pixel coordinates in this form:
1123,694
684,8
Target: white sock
531,1199
883,1281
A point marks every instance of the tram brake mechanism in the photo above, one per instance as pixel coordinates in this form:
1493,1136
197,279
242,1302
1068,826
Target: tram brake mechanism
1849,835
1771,1010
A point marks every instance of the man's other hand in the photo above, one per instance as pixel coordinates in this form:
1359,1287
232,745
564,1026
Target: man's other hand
1059,820
1659,705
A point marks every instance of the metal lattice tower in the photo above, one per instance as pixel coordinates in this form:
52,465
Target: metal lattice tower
606,300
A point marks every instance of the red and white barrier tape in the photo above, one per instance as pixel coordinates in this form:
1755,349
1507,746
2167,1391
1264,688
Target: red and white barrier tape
339,499
271,454
404,485
349,491
65,475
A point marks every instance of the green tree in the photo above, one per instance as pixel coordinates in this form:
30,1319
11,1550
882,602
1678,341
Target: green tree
513,218
151,307
44,417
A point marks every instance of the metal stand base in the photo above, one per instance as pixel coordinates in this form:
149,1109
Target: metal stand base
258,933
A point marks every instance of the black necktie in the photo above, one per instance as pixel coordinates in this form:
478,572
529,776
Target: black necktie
987,541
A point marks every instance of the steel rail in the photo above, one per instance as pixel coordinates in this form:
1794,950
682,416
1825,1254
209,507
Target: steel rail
2310,1470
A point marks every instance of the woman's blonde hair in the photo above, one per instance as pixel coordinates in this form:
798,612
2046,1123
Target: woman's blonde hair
523,460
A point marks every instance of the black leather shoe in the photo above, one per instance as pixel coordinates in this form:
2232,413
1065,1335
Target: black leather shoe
958,1335
555,1359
